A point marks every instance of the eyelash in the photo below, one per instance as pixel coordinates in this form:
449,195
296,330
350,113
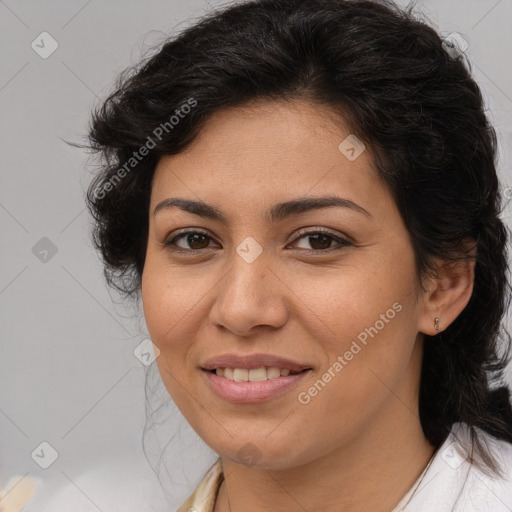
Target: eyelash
301,234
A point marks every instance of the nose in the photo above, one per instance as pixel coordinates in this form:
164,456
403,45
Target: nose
248,297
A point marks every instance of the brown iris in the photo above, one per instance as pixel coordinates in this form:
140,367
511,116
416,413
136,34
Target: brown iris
319,239
195,238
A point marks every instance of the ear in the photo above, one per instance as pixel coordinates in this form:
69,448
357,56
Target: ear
448,293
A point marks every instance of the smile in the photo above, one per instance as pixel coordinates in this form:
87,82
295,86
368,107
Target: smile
236,385
254,374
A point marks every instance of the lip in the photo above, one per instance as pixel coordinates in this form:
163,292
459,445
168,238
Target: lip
251,392
253,361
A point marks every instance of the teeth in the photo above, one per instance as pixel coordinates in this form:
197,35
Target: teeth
273,373
240,375
252,375
257,374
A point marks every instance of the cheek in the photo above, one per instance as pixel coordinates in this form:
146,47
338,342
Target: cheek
169,297
174,303
366,299
370,324
153,290
366,362
164,305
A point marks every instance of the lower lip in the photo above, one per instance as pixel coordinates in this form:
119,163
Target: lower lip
252,392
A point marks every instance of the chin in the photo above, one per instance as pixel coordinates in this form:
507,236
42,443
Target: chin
262,455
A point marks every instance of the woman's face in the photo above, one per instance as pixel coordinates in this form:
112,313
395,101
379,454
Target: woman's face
254,277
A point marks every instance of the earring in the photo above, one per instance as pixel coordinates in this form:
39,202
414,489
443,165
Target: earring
436,324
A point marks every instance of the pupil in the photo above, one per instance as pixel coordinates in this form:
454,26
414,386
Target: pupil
315,238
192,239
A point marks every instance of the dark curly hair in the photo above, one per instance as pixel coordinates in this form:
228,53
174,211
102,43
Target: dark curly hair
412,102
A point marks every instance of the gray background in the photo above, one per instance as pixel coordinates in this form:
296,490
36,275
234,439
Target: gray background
68,375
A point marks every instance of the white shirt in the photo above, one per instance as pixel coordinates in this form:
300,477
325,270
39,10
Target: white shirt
453,483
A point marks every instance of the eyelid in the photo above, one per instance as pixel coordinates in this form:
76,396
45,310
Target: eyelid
171,237
312,230
187,231
341,241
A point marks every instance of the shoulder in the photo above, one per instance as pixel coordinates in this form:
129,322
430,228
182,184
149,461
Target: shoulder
493,491
458,480
479,488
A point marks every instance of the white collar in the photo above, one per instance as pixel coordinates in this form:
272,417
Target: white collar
453,483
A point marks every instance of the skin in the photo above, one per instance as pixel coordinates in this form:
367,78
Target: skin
358,444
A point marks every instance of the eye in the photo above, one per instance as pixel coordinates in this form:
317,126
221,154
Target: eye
320,240
196,240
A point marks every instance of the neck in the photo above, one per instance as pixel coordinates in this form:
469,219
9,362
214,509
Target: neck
371,471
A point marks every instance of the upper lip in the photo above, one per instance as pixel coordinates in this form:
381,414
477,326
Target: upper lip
253,361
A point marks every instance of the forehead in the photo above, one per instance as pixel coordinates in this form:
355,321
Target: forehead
265,150
272,130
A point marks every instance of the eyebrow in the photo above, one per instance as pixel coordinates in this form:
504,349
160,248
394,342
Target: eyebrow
277,213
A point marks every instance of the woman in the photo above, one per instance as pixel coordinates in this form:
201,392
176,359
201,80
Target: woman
303,194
